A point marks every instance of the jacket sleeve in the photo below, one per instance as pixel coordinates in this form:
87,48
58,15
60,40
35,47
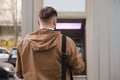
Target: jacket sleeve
74,60
18,65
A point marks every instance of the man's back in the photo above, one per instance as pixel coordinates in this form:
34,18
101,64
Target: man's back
40,56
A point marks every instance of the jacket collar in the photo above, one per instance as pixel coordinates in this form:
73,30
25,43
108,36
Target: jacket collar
46,28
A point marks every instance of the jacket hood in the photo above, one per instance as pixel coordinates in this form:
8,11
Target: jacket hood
43,40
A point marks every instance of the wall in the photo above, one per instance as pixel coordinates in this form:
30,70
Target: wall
27,17
115,40
103,39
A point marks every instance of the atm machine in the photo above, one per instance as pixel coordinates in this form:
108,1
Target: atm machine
75,29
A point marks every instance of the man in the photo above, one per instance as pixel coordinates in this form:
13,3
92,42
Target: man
39,53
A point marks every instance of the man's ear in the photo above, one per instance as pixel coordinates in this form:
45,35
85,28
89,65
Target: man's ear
54,21
38,21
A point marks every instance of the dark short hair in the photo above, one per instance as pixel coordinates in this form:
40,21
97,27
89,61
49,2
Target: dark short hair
47,13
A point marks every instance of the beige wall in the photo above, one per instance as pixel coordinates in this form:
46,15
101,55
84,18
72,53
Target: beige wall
103,39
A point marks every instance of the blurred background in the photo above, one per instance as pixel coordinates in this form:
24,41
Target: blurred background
10,34
10,23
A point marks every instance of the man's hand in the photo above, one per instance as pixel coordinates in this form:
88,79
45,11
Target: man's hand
80,55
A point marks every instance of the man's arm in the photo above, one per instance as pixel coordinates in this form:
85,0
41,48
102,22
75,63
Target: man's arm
74,57
18,65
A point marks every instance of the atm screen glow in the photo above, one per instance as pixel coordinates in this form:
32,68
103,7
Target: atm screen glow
68,25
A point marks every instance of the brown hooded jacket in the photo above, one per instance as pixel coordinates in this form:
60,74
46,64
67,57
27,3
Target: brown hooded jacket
39,56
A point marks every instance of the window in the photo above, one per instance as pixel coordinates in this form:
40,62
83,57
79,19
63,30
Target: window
4,51
66,5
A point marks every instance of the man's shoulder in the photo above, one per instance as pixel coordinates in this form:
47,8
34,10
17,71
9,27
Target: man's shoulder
69,39
27,38
70,42
23,41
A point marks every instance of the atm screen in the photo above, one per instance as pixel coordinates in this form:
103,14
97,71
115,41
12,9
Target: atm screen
69,26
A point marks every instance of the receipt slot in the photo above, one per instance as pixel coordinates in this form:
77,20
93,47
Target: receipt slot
75,29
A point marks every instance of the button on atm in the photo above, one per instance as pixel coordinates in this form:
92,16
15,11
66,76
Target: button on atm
75,29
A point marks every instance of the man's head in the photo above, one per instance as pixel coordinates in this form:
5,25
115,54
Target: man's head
47,17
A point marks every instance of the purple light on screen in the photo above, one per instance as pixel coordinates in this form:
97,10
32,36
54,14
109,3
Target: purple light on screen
68,25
